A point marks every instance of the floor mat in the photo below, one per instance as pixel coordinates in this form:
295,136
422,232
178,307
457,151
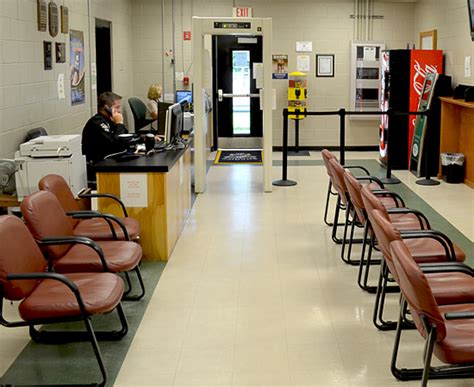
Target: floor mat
239,157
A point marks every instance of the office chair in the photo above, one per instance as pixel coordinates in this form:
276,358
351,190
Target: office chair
139,113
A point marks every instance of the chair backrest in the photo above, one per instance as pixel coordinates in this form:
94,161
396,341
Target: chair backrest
139,112
45,217
354,187
371,202
326,157
19,254
385,233
336,171
58,186
416,290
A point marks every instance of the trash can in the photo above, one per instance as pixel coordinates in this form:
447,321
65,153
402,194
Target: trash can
452,167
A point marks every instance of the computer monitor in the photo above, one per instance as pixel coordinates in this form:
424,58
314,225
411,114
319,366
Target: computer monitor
162,110
185,98
174,123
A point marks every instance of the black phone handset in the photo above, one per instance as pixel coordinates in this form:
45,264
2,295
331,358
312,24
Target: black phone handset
109,110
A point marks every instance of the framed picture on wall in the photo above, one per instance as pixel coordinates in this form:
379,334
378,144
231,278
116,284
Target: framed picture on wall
428,40
325,65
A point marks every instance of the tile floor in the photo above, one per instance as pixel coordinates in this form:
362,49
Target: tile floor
255,294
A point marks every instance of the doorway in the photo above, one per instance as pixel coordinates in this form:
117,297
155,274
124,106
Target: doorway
103,55
237,118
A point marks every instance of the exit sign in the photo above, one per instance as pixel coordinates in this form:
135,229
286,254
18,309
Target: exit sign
242,12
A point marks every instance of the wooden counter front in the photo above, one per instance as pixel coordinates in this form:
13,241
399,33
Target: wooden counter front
457,133
169,204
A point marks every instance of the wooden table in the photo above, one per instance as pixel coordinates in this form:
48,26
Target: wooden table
457,133
8,201
168,188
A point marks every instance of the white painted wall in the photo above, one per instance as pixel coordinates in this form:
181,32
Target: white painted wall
28,96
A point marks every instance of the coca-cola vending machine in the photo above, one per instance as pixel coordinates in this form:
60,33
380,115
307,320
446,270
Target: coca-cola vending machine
402,76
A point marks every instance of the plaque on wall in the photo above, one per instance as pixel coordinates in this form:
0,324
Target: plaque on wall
53,19
64,19
60,52
48,55
42,15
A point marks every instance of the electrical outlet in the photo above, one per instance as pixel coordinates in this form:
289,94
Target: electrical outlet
179,77
467,67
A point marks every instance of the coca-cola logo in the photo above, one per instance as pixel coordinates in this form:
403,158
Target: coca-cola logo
420,74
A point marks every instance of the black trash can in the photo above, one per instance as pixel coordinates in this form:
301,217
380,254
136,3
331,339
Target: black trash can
452,167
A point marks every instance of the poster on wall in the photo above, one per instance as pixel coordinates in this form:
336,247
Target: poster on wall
77,67
280,66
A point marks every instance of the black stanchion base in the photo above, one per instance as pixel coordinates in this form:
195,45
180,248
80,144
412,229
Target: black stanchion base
427,182
284,183
390,180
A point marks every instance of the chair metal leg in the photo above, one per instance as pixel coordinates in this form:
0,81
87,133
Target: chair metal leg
95,347
60,337
139,296
328,197
428,353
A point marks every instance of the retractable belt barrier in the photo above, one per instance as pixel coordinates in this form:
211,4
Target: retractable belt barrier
342,113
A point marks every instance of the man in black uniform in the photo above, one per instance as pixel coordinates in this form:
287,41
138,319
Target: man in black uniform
100,135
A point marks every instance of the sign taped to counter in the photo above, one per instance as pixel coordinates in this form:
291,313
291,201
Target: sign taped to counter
134,189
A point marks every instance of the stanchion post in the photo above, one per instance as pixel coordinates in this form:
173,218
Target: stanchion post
284,182
389,179
297,136
342,136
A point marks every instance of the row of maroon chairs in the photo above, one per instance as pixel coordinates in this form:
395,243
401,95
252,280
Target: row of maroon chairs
437,289
63,264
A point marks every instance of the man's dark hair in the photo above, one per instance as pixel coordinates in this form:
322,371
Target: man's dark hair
107,99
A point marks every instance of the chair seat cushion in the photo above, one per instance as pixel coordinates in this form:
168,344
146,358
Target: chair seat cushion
451,288
100,292
426,250
120,256
99,230
458,345
405,221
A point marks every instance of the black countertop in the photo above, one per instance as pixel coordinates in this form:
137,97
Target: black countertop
158,162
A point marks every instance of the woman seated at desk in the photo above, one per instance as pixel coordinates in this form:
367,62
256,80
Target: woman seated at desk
154,95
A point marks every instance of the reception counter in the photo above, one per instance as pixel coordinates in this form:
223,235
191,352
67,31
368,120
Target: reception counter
156,191
457,132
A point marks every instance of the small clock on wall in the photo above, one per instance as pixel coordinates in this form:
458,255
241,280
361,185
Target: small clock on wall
53,19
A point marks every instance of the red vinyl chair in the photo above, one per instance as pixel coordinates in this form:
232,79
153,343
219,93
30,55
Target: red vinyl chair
68,253
91,224
448,330
49,298
426,247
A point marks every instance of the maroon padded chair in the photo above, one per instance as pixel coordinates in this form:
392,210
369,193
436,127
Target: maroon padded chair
48,298
90,224
69,253
448,330
437,249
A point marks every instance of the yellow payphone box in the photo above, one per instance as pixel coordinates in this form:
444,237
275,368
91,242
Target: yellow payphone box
297,94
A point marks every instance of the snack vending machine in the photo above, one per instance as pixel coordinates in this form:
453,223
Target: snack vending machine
402,76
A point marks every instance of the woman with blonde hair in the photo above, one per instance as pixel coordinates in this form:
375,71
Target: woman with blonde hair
154,95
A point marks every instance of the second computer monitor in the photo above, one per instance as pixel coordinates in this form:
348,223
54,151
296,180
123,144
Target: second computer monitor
174,123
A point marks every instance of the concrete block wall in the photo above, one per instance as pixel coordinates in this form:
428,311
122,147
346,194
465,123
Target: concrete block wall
28,93
451,20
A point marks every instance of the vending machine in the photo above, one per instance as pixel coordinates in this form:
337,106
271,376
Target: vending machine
402,77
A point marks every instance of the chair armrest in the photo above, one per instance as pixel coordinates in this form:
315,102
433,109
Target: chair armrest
52,276
459,315
421,217
71,240
109,218
108,196
446,267
433,234
365,170
385,192
371,179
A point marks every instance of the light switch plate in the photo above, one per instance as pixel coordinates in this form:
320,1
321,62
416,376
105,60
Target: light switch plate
179,76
